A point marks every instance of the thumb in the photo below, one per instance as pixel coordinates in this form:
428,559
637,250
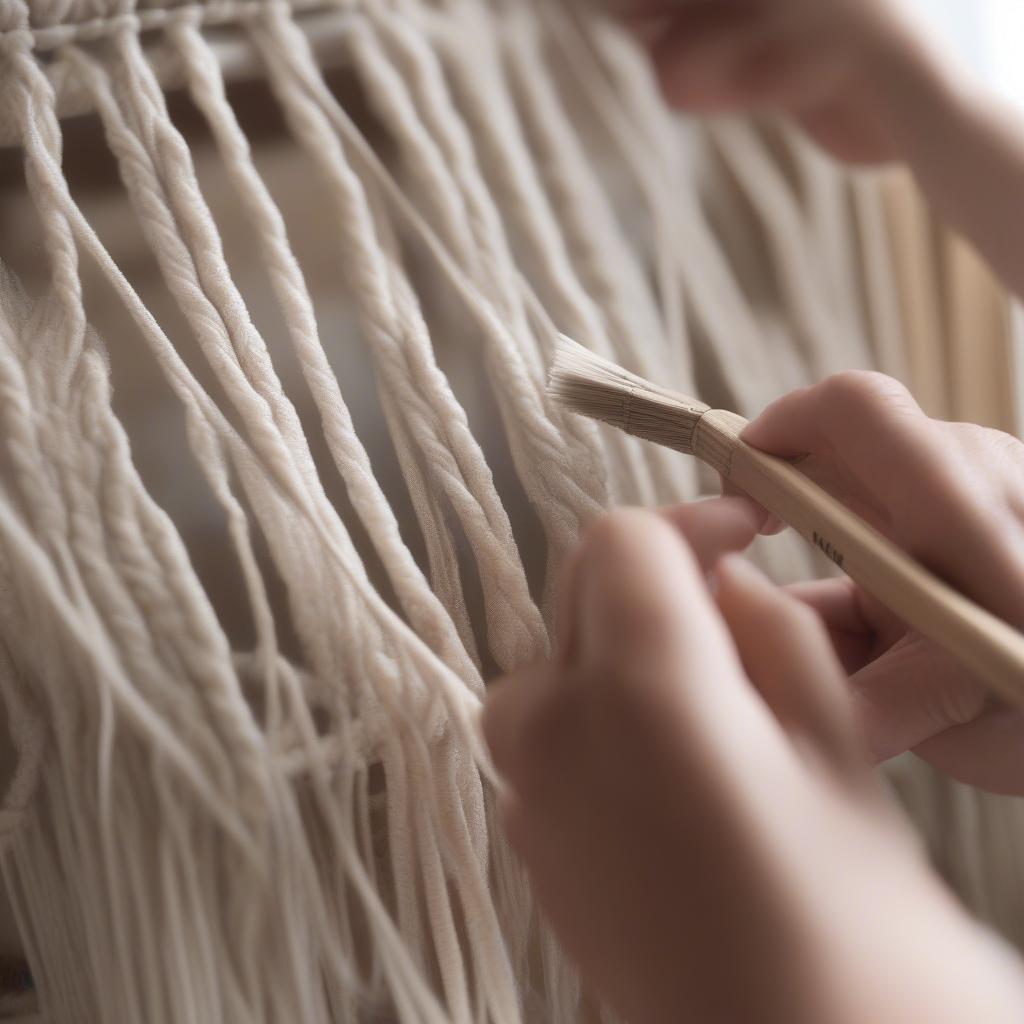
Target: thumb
910,694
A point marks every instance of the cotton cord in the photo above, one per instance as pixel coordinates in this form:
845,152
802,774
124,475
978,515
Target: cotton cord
303,825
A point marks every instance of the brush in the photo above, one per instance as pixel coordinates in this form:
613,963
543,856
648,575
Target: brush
988,646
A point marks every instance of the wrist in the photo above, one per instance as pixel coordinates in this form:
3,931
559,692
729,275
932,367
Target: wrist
964,146
920,957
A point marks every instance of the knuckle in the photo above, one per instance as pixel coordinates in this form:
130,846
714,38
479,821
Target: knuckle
860,389
982,459
958,704
1007,447
1007,443
988,441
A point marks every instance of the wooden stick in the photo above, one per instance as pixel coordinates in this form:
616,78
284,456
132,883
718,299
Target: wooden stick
985,644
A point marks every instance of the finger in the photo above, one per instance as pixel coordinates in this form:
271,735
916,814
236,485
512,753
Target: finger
712,528
835,601
861,629
770,524
788,658
508,716
910,467
716,526
836,604
985,752
912,693
644,606
828,474
868,422
831,473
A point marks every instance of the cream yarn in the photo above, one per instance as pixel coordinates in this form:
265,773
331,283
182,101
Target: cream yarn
293,820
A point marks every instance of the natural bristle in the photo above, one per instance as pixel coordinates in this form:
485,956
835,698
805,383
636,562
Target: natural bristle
591,386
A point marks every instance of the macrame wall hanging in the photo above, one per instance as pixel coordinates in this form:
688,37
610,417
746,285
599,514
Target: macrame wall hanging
279,486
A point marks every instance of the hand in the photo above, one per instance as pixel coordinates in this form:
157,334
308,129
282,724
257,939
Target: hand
831,64
867,84
686,787
953,496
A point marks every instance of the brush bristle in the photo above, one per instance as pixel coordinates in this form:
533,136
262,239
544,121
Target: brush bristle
597,388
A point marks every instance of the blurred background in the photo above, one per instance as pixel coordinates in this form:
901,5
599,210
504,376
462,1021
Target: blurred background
987,34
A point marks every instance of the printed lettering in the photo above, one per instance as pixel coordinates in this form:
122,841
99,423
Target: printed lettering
826,547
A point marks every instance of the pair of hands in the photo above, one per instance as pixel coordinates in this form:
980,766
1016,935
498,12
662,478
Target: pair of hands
869,85
689,781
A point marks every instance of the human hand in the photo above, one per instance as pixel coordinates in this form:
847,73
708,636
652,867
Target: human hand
867,83
953,496
833,65
687,789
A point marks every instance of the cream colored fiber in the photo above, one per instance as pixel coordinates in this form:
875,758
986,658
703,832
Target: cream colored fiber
269,519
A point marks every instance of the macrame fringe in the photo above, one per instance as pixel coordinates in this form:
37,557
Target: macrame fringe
201,832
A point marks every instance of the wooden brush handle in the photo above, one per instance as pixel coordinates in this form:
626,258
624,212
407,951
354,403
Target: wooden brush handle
981,641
